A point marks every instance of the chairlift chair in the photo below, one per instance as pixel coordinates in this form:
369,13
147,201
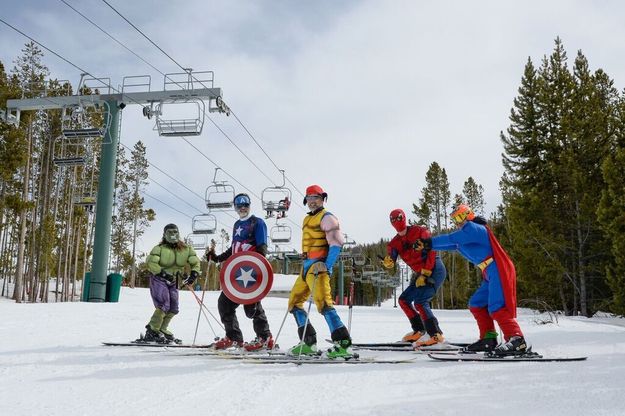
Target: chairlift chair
197,241
359,259
187,126
220,195
276,199
280,234
74,124
204,224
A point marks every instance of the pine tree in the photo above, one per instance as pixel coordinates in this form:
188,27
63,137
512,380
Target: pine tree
137,177
474,195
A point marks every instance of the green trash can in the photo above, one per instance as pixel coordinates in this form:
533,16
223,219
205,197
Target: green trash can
113,287
86,284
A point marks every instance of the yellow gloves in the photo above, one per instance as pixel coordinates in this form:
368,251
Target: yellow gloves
388,262
422,279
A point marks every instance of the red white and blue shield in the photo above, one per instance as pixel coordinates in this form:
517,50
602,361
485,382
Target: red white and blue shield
246,277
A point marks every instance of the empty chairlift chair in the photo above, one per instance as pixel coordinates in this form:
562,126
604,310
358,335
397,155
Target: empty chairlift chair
280,234
219,196
204,224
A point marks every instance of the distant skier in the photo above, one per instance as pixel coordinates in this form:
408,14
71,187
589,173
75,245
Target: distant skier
166,262
427,277
249,234
321,244
495,299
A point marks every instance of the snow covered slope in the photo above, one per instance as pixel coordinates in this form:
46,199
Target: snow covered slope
52,363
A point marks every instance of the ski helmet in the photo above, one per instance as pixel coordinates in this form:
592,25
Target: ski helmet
398,219
171,233
315,190
462,213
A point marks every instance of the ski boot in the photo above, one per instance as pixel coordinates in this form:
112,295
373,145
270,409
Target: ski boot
412,336
340,350
516,345
169,337
152,336
482,345
433,340
225,343
303,349
259,343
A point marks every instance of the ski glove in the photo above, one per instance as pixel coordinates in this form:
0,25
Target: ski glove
422,244
190,279
420,281
210,255
388,263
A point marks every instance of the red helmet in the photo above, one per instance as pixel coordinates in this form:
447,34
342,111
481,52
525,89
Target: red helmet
398,219
315,190
462,213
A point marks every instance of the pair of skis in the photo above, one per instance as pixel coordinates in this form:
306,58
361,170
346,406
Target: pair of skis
455,352
259,357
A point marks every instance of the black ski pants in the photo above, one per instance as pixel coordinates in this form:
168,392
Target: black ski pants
227,313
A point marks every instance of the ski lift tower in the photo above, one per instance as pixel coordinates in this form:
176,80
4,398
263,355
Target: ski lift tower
191,88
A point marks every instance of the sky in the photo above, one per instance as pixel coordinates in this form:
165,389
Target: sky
359,97
53,363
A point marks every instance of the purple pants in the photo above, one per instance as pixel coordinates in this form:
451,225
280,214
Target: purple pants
164,294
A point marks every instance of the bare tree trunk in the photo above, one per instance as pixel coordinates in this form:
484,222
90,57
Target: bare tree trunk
19,272
583,293
133,272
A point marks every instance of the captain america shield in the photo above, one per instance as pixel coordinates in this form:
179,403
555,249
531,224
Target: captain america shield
246,277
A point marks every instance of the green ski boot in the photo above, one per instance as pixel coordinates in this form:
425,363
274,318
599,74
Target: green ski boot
303,349
340,350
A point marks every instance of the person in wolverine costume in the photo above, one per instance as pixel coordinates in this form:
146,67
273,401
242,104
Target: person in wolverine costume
427,277
495,299
321,244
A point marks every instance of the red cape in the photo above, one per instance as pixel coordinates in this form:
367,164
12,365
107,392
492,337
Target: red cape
507,273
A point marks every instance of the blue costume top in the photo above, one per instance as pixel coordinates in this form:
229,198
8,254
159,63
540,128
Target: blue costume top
471,241
248,234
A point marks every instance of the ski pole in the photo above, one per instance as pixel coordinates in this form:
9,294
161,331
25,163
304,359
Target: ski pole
199,312
275,341
207,310
310,301
351,306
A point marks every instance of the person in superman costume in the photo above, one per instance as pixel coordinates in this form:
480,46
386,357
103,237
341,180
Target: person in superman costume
495,299
427,277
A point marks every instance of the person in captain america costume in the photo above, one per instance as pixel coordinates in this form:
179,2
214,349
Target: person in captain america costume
495,298
249,234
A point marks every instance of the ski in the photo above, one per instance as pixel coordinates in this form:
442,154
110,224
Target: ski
501,359
319,360
425,349
232,353
155,344
401,344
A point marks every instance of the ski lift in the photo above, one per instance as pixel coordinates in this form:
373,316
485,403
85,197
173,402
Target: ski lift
276,199
348,243
72,152
280,234
197,241
219,196
74,124
180,126
85,200
359,259
204,224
